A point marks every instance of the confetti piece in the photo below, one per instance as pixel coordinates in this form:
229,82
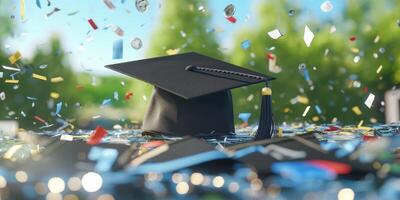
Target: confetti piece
352,38
22,10
231,19
356,110
141,5
66,137
109,4
40,77
117,30
116,96
97,135
245,44
106,102
275,34
54,95
40,119
128,95
308,36
272,67
117,49
11,151
73,13
326,6
92,24
11,68
376,40
244,117
360,123
2,96
57,79
306,111
58,108
292,12
370,99
15,57
1,74
52,12
332,29
136,43
38,4
379,69
11,81
173,51
229,10
318,109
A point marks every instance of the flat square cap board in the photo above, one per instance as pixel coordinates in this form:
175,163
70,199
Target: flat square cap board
170,74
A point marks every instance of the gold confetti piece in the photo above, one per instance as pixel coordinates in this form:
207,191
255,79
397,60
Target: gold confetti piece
173,51
379,69
315,118
302,99
57,79
12,81
360,123
54,95
40,77
280,132
15,57
356,110
354,50
286,110
22,10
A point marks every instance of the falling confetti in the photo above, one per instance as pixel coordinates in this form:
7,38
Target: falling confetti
2,96
326,6
306,111
15,57
244,117
141,5
39,77
52,12
379,69
308,36
272,67
370,99
97,135
136,43
229,10
275,34
56,79
245,44
128,95
109,4
92,24
106,102
22,10
292,12
356,110
38,4
58,108
118,49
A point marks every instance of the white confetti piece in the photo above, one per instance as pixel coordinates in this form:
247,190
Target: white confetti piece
65,137
1,74
11,68
326,6
370,100
333,29
306,111
275,34
308,36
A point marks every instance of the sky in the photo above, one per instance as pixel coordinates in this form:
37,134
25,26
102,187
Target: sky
90,50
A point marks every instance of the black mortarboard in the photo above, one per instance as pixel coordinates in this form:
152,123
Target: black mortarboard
192,94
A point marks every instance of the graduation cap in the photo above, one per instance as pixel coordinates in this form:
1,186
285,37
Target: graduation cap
192,94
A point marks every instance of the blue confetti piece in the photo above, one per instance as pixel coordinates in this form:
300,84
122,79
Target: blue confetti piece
245,44
210,30
58,108
104,157
118,49
106,102
318,109
38,4
244,117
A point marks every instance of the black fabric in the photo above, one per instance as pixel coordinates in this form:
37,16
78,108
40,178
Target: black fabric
169,74
174,115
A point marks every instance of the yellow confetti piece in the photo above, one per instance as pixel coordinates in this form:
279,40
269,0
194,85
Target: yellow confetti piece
379,69
22,10
302,100
360,123
54,95
280,132
286,110
57,79
10,153
356,110
354,50
40,77
15,57
315,118
12,81
173,51
376,40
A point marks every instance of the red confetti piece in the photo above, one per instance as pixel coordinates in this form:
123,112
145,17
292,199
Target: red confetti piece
365,89
270,56
335,167
369,138
353,38
231,19
153,144
332,128
97,135
40,119
128,95
92,24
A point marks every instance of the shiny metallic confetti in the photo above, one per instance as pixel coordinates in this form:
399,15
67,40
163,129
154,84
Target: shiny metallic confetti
136,43
15,57
275,34
308,36
229,10
141,5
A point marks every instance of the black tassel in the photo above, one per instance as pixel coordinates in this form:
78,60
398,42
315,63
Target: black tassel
266,126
